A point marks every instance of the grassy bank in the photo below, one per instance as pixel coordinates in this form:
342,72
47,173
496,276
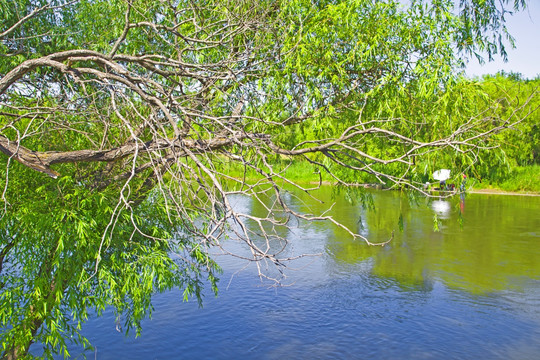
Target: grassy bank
519,179
301,172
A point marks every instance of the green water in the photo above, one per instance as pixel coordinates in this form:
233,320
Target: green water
480,243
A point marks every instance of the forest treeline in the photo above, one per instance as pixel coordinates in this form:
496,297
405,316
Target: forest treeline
515,165
509,159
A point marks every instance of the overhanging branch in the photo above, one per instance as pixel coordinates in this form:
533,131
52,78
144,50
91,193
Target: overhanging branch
41,161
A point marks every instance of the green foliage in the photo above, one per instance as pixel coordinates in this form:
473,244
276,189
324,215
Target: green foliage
68,260
523,179
515,98
509,97
382,63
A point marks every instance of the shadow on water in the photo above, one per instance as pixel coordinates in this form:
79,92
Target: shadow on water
469,290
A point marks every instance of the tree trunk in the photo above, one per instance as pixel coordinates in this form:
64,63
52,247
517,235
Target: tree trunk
18,351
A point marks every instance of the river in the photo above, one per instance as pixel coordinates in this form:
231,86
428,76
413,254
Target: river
470,290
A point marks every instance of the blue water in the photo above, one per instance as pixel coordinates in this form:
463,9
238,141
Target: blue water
350,317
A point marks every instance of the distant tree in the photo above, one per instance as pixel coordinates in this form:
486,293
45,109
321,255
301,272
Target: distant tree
520,145
118,119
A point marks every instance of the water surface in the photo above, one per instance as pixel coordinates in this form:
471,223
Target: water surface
470,290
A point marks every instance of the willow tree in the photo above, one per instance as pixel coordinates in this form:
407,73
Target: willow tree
118,118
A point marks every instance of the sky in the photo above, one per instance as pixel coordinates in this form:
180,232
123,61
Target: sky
525,58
